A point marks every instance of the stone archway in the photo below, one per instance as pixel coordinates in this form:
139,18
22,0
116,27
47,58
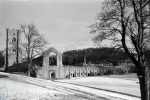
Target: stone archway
73,75
53,75
46,57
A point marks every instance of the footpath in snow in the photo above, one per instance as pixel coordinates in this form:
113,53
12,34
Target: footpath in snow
21,87
119,84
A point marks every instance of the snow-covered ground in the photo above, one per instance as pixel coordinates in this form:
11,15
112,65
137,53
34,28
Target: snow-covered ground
25,88
118,83
18,89
121,85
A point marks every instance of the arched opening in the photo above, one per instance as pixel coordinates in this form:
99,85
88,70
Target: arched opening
73,75
88,74
52,58
91,74
14,40
95,73
53,75
14,51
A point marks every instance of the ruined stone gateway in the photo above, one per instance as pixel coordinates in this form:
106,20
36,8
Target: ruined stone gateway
59,71
47,71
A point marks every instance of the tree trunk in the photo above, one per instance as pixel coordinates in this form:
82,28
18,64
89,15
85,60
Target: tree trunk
29,70
144,81
142,87
147,81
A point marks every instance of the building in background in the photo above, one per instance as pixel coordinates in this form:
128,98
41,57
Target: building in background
12,48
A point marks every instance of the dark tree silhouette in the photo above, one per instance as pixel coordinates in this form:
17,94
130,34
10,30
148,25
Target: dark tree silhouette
127,22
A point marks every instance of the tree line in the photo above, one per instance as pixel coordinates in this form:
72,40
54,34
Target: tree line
94,56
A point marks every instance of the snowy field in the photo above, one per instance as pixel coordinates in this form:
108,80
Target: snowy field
18,87
122,84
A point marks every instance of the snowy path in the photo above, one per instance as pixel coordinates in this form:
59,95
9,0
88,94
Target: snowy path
121,85
23,87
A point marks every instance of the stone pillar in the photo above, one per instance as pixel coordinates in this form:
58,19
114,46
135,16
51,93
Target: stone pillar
59,59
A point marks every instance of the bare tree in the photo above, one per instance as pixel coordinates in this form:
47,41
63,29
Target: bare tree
127,23
33,45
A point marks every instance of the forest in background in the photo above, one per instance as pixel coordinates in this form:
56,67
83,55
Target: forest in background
94,56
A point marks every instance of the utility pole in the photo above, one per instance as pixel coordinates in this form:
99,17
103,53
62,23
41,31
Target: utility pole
17,49
7,69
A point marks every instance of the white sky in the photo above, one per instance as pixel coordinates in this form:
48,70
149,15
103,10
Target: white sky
63,22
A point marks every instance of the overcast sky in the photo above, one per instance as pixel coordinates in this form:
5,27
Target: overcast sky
63,22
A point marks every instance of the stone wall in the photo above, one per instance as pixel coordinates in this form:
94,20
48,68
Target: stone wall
59,71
